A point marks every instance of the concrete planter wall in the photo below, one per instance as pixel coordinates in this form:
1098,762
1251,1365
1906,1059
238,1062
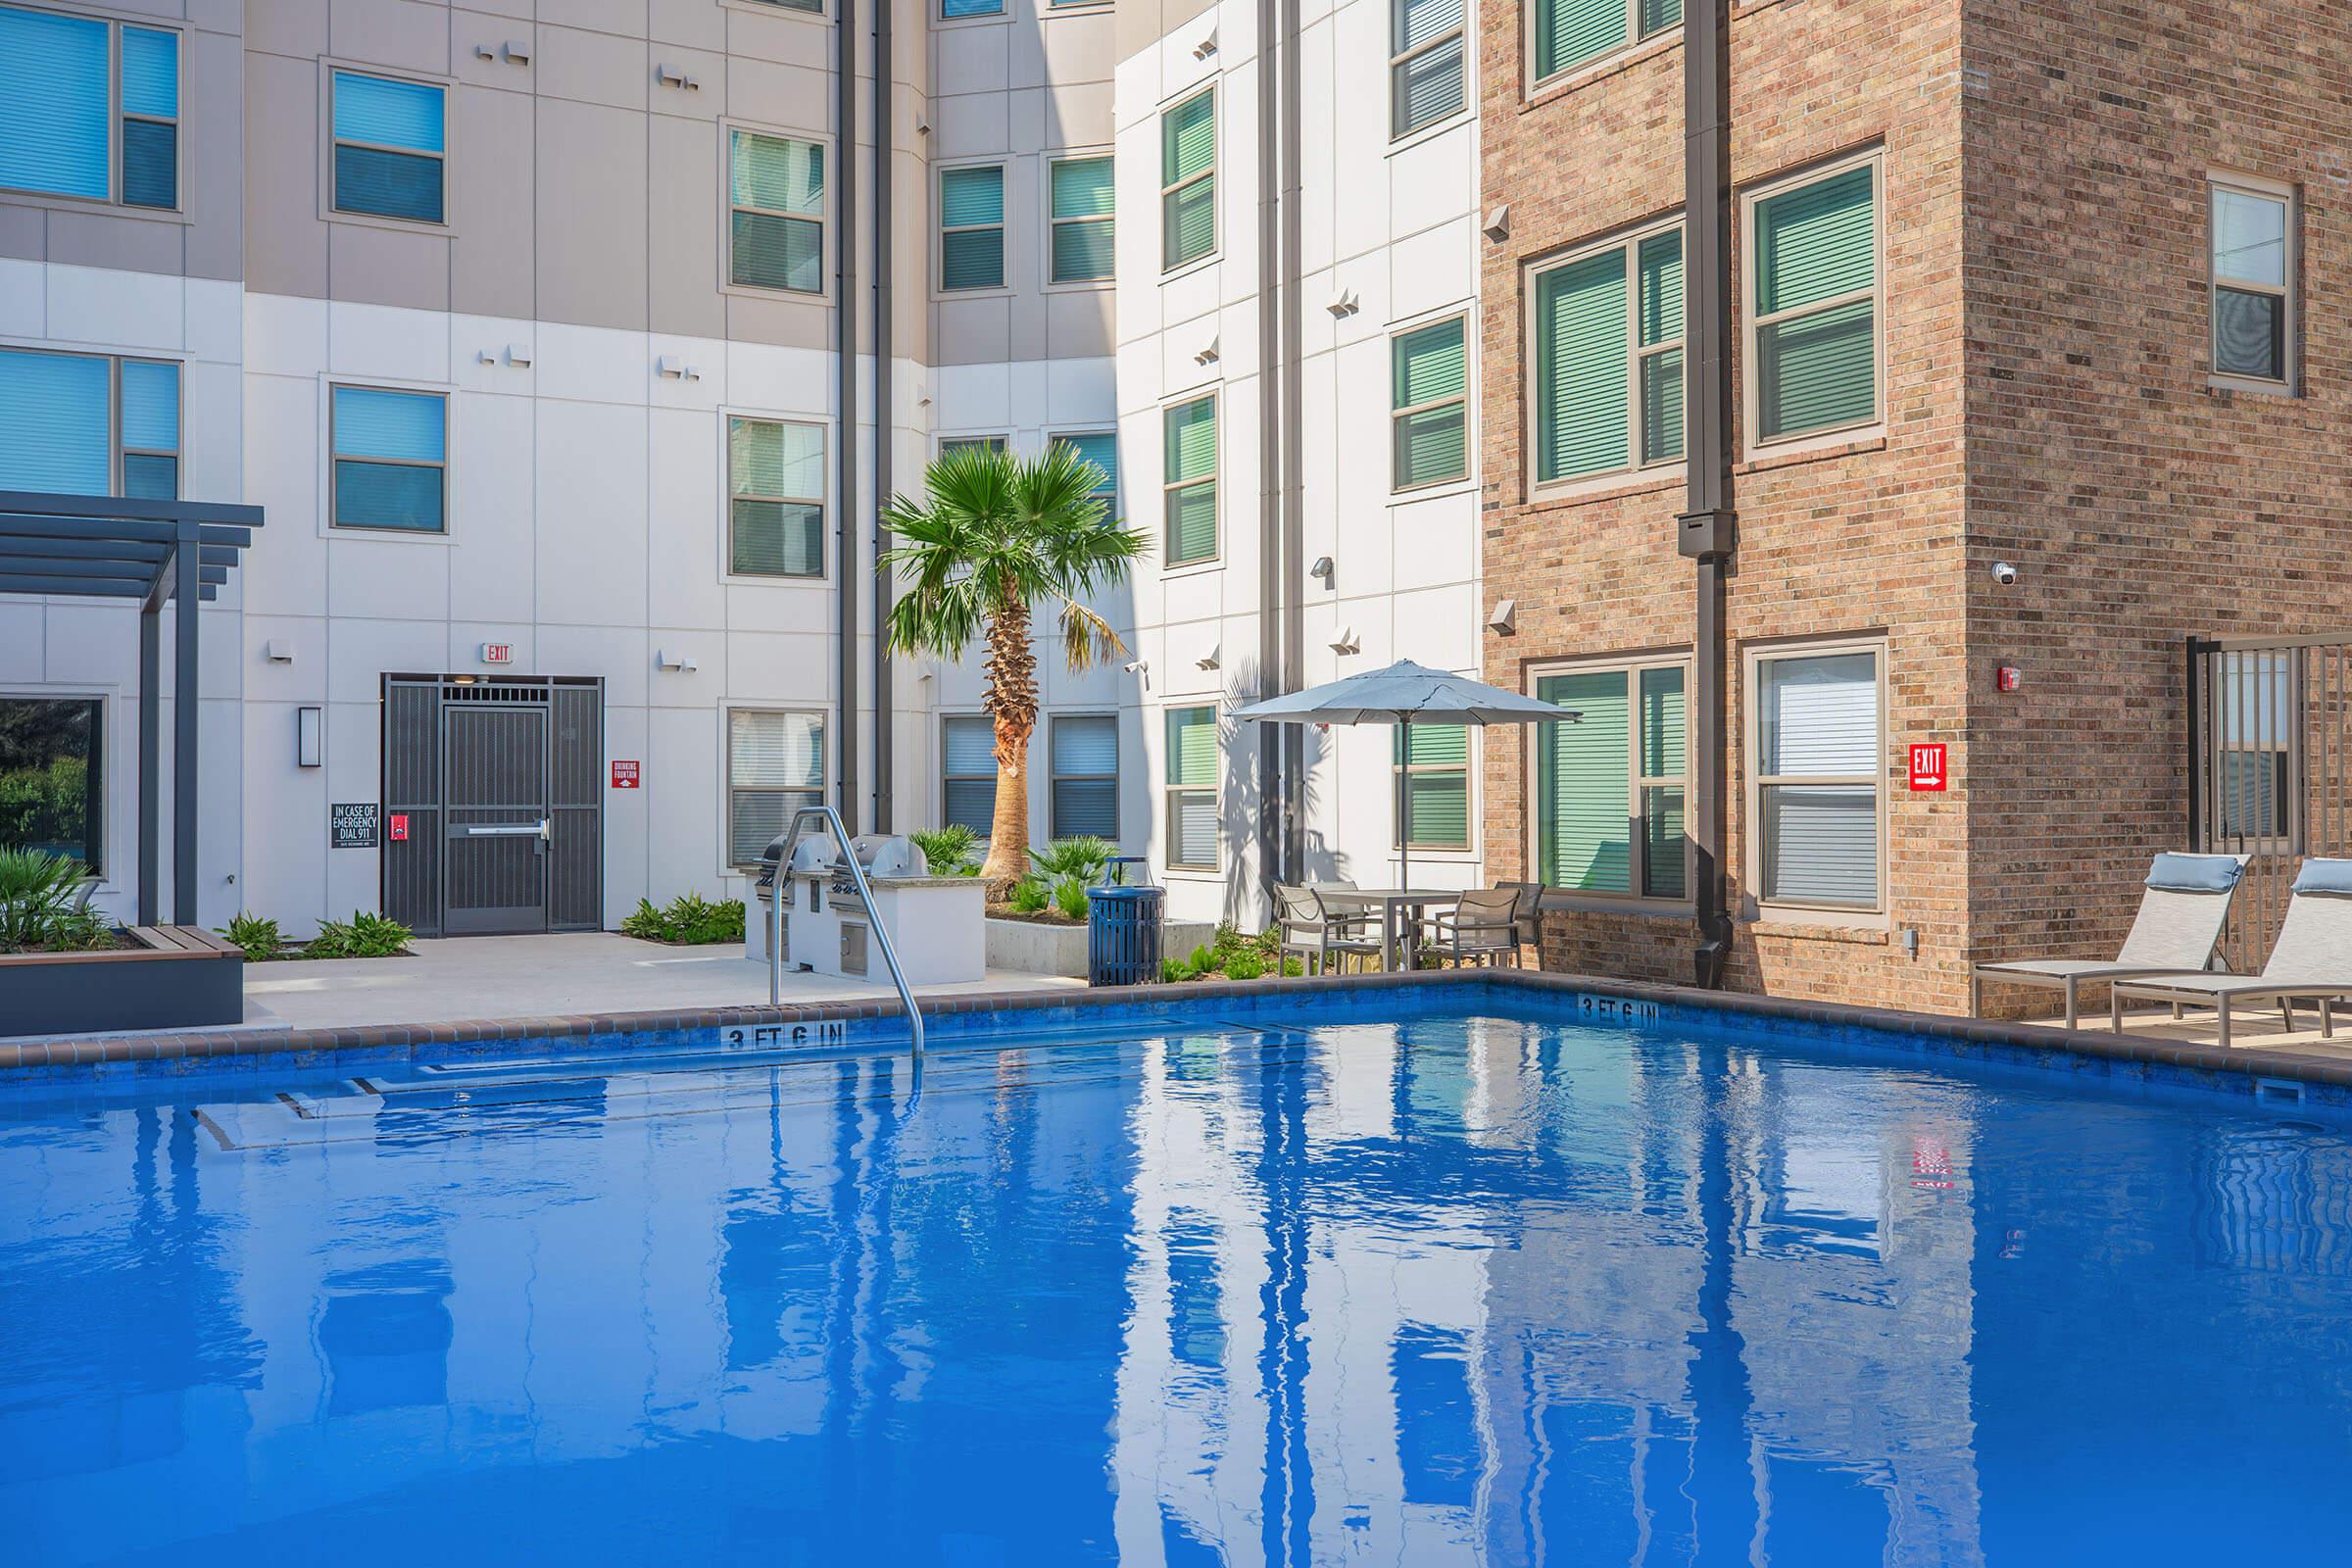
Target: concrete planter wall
180,977
1027,948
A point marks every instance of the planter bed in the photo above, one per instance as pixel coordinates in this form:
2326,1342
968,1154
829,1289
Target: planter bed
1038,947
170,976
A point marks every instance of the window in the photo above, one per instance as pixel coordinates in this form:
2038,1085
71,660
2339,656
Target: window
1608,352
2253,281
1433,784
1085,753
1818,777
1189,496
2254,705
775,498
814,8
1188,180
88,424
1573,32
776,188
950,445
53,777
971,228
1081,241
1429,396
391,455
1813,328
951,10
89,108
1608,788
1192,789
967,748
775,766
389,148
1424,63
1101,449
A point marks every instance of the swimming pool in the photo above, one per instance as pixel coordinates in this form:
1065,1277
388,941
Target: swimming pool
1400,1280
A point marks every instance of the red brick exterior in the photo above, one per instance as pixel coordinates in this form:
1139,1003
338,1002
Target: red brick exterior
2044,211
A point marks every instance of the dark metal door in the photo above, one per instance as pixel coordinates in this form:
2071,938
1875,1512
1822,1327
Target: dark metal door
499,825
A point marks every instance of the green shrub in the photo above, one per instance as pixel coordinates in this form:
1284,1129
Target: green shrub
1080,858
362,936
1029,895
1292,969
1171,970
689,921
258,939
948,850
36,897
1202,961
80,930
1244,966
1069,894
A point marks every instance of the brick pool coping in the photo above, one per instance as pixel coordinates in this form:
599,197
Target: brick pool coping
2250,1064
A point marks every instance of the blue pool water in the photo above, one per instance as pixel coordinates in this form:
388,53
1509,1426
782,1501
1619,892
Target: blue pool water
1427,1289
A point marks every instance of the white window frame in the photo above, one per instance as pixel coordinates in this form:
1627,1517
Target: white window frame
826,238
1398,415
2290,361
823,712
1168,793
1053,775
1400,57
1633,899
1400,801
963,438
327,209
1629,242
1785,910
328,526
112,202
1633,40
1217,159
1753,322
727,415
1003,225
1077,155
1168,486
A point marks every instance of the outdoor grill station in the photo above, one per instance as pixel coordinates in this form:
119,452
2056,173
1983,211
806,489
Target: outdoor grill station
934,922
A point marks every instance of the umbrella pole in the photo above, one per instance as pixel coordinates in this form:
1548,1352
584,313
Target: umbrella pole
1404,829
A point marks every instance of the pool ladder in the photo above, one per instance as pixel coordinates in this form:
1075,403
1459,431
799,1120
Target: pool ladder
831,818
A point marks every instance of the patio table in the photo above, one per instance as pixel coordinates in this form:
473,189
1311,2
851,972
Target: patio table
1391,902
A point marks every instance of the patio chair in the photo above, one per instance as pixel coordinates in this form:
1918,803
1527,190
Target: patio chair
2177,930
1524,912
1319,935
1482,927
2311,959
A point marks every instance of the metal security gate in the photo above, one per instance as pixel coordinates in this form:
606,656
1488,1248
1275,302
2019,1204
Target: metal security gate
2270,723
493,805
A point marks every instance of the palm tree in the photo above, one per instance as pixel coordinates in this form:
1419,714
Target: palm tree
999,537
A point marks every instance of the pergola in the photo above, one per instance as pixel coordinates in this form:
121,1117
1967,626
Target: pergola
101,546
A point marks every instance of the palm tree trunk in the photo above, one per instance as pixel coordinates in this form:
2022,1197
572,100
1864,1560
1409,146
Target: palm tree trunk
1011,701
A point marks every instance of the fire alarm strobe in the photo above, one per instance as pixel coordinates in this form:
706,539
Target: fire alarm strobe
2007,678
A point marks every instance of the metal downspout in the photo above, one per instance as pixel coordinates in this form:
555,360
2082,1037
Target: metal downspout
1294,476
1280,633
1707,532
885,103
845,329
1270,788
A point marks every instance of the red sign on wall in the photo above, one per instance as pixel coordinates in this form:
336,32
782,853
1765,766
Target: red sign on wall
1927,765
498,653
625,774
399,829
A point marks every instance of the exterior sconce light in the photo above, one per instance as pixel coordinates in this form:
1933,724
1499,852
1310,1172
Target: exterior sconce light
310,736
1322,568
1505,618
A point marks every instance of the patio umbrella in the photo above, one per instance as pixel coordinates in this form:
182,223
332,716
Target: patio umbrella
1405,693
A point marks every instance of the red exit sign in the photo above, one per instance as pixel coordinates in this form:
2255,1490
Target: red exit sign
1927,765
498,653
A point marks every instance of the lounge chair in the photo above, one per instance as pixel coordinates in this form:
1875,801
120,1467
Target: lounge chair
1312,931
2177,929
2311,959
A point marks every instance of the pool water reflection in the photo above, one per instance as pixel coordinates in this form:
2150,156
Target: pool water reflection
1444,1290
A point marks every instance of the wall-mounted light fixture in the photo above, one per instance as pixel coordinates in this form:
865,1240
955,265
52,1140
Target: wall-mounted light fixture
1498,223
278,649
1505,618
513,54
1206,353
675,76
674,368
310,736
1345,641
1207,46
672,659
1322,568
1344,303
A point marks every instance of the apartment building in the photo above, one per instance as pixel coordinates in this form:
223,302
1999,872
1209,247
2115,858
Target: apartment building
2028,378
569,354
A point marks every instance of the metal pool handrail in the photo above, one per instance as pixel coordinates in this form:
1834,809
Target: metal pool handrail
775,915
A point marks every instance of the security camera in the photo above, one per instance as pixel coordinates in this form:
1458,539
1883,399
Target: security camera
2003,573
1136,667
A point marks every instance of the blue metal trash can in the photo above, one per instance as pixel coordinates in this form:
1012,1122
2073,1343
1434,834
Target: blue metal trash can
1122,929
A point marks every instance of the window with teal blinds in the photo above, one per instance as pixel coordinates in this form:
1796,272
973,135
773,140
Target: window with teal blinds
775,498
389,146
1435,785
971,228
59,429
1814,261
1187,179
967,745
1609,788
1190,486
1608,335
1101,449
1085,755
89,108
776,238
1573,32
1192,788
1429,392
952,9
1082,219
390,459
